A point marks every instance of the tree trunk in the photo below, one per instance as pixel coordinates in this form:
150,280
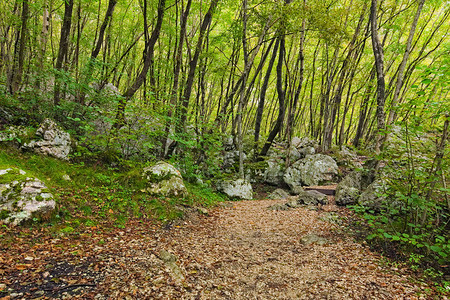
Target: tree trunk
401,70
63,47
193,65
281,100
148,61
20,54
379,61
262,96
176,71
293,106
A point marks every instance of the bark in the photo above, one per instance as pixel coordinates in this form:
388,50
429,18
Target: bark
293,106
262,97
177,69
379,61
20,53
63,47
193,64
241,97
281,100
401,70
96,50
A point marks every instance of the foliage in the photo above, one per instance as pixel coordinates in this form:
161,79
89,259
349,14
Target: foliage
415,217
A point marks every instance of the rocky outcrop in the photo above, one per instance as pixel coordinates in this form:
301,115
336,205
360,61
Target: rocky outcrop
278,194
348,190
23,197
308,198
239,188
51,140
312,198
164,179
372,197
274,171
312,170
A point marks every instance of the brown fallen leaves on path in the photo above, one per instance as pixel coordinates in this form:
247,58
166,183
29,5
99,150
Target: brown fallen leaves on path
241,250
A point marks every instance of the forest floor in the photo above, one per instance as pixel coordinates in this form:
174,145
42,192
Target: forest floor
238,250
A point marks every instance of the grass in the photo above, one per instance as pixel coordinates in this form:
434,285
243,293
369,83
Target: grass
98,194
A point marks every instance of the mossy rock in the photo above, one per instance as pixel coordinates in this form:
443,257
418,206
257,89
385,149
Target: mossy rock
164,179
23,197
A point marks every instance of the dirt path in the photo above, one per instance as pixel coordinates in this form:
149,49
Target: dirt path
247,251
242,251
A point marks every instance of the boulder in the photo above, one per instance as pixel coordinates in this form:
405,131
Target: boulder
313,170
274,171
347,158
346,195
304,142
372,198
278,194
23,197
348,190
312,198
308,198
230,160
164,179
239,188
300,148
52,141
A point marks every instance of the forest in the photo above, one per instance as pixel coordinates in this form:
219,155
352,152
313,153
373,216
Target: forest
220,90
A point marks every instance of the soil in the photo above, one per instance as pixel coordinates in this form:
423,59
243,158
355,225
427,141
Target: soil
239,250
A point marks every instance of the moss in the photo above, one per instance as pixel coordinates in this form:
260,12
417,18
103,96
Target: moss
39,198
158,178
12,175
4,214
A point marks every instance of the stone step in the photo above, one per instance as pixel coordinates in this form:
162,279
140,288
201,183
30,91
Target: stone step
324,189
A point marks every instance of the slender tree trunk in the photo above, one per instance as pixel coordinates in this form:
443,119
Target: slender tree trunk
262,96
20,56
43,41
379,61
242,94
401,70
176,71
148,62
293,106
63,47
281,97
193,64
96,50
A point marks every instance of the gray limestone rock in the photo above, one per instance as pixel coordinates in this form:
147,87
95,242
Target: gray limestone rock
278,194
312,170
52,140
372,197
239,188
23,197
312,198
274,171
164,179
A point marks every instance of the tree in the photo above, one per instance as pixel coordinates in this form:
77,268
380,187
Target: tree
63,48
379,67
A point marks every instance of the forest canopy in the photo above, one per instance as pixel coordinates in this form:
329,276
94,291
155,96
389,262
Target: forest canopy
281,67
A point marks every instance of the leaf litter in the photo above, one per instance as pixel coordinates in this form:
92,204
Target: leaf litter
240,250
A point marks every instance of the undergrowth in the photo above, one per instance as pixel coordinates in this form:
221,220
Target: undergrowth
90,194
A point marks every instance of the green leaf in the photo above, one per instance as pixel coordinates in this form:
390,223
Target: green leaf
436,248
387,235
